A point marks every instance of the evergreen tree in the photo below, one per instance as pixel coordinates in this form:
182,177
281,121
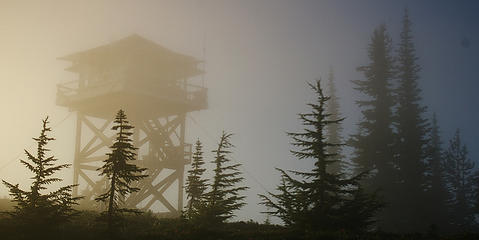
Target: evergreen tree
333,131
319,200
375,137
195,185
37,208
119,171
224,197
289,204
374,140
437,194
459,178
411,138
476,193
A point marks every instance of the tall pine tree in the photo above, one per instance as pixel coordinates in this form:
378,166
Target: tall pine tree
195,185
333,131
437,195
319,200
411,138
37,208
460,183
224,197
374,139
119,170
476,192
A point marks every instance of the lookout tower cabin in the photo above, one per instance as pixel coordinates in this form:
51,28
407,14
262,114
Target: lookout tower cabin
156,88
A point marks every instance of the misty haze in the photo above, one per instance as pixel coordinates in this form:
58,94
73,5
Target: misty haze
248,119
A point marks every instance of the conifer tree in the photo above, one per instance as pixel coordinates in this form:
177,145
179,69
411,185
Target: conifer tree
38,208
375,136
319,200
476,193
119,171
437,194
411,138
460,184
195,185
374,139
333,131
224,197
289,204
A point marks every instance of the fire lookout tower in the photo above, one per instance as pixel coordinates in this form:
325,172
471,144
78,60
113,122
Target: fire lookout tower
155,87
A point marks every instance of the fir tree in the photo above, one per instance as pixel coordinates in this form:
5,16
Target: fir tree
459,178
289,204
437,194
374,140
411,138
119,171
333,131
319,200
195,185
37,208
476,192
224,197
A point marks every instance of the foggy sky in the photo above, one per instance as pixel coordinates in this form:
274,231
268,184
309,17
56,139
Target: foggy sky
258,56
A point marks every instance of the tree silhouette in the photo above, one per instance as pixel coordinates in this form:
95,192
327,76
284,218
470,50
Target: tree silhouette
319,200
437,194
476,192
224,198
374,140
289,204
119,171
411,138
460,184
333,131
37,208
195,185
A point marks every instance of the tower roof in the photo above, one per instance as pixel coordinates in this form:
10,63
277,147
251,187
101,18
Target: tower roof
135,52
131,46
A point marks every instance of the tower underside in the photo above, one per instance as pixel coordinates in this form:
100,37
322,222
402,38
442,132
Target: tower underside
161,149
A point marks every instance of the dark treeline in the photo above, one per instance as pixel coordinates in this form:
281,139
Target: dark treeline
400,181
402,178
424,186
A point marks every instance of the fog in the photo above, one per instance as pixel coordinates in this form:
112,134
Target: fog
258,57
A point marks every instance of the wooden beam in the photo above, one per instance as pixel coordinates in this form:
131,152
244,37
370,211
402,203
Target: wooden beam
87,179
93,159
157,144
158,195
143,141
181,167
134,198
76,157
94,138
150,188
105,139
170,127
159,188
88,167
159,132
163,201
98,147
